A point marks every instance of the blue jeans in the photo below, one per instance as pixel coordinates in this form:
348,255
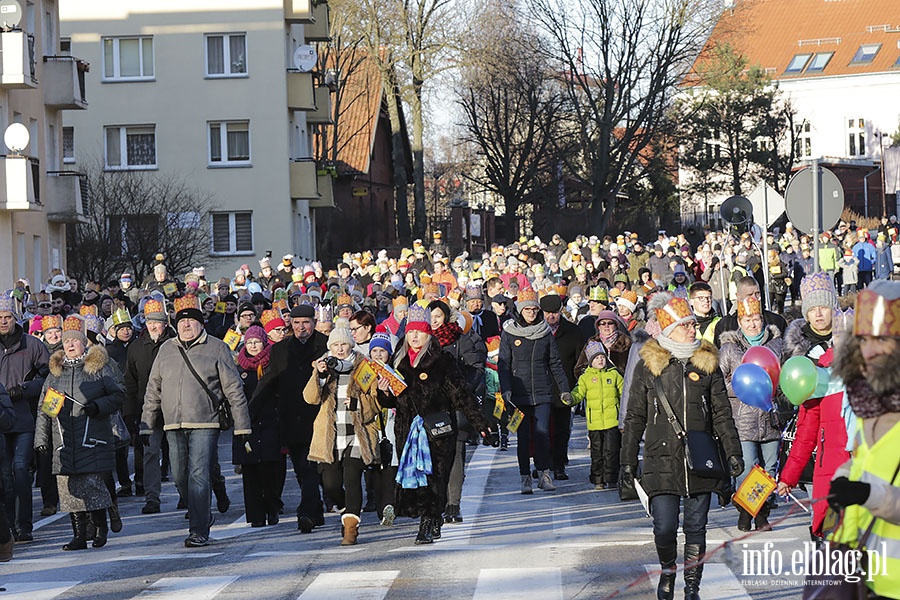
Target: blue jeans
765,454
665,511
192,455
17,478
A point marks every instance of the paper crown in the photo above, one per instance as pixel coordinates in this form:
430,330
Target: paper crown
431,288
153,305
271,318
93,323
876,315
51,322
400,301
473,292
121,317
185,302
561,289
527,296
424,278
344,300
74,323
418,314
7,304
592,349
841,322
749,306
675,311
87,309
493,344
629,300
599,294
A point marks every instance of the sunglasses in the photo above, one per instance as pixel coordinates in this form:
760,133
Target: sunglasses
44,305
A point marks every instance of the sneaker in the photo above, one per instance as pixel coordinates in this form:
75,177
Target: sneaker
504,442
545,482
48,510
526,485
560,475
388,516
196,540
151,507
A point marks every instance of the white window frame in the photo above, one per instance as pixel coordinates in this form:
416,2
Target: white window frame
223,145
70,158
804,139
123,149
116,76
232,233
226,56
856,126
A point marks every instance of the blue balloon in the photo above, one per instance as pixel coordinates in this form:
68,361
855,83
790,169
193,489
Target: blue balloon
752,386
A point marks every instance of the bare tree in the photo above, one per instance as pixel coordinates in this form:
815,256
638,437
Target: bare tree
132,216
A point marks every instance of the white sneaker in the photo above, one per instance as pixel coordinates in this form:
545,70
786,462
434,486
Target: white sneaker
388,516
526,484
546,482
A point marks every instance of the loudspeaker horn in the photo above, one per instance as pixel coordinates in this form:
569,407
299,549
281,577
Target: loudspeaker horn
736,210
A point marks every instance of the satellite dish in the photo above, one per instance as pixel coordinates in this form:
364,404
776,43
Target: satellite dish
10,14
16,138
305,58
736,210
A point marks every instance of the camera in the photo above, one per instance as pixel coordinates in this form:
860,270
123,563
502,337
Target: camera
332,363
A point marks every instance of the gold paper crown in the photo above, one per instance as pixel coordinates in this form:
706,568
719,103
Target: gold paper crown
345,299
561,289
875,315
51,322
675,310
121,317
400,301
87,309
74,323
630,296
749,306
186,302
269,315
431,288
153,306
425,278
527,296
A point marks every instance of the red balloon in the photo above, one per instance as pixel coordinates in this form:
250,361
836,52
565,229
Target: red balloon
765,358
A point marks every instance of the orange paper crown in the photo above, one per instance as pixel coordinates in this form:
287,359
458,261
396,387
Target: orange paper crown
630,296
185,302
87,309
431,288
749,306
153,306
876,315
344,300
677,309
74,323
400,301
51,322
271,319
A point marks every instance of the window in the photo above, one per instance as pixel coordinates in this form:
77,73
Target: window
68,145
856,137
897,63
65,46
865,54
232,233
819,62
798,63
229,143
130,234
130,147
226,55
128,59
803,140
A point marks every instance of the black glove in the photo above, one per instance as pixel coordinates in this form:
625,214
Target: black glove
42,449
91,409
628,475
735,465
145,440
15,393
844,492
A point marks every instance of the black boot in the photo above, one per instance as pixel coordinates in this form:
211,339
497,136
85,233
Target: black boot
693,571
115,519
762,519
665,590
101,530
426,531
223,502
745,519
79,527
436,528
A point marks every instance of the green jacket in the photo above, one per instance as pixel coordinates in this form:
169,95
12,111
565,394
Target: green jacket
602,390
828,257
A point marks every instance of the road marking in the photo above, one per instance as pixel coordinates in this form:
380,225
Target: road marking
47,521
478,470
360,585
239,526
187,588
443,546
718,582
147,557
519,584
44,590
307,552
597,544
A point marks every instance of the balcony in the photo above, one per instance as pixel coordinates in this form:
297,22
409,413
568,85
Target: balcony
301,92
298,11
322,114
65,197
304,185
326,192
63,78
318,30
17,60
20,183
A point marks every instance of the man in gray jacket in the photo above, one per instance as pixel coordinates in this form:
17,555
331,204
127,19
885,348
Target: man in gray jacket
187,402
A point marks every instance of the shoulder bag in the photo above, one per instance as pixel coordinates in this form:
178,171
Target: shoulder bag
385,447
701,449
223,409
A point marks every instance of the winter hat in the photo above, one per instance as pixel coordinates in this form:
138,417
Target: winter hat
303,311
527,298
270,319
8,304
749,306
36,325
340,335
419,319
817,290
675,312
255,332
551,303
575,290
608,315
493,345
629,300
592,349
155,311
473,292
245,308
381,340
188,307
49,322
878,310
73,329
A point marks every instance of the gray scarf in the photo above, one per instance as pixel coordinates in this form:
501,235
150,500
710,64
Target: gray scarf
680,350
530,332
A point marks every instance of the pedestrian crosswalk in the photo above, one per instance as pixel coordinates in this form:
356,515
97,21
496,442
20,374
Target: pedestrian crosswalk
35,590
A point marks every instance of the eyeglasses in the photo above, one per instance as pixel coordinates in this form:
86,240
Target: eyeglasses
692,325
703,298
355,329
45,305
606,324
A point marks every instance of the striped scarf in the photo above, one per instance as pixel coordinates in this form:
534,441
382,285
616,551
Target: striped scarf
415,461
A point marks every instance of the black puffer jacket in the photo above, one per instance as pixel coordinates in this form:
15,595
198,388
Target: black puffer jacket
696,391
529,366
81,444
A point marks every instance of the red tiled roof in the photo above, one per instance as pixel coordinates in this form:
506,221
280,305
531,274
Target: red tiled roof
769,33
358,119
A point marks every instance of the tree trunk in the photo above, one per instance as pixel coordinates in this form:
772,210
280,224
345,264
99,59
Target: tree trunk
398,158
421,224
510,229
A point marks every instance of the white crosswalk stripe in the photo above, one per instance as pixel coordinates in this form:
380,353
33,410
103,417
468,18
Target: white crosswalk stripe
187,588
360,585
718,582
519,584
43,590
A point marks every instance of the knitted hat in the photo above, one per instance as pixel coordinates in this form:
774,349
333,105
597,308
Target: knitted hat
878,310
155,311
817,290
381,340
246,307
473,292
525,299
271,319
73,329
255,332
629,300
674,313
187,307
36,325
340,335
749,306
592,349
419,319
7,304
51,322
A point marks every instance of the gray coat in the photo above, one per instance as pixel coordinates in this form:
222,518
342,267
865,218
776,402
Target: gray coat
24,365
81,444
753,424
176,396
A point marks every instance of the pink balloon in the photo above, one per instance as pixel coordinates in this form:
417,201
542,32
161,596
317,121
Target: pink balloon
765,358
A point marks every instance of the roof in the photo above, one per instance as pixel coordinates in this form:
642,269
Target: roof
813,33
360,107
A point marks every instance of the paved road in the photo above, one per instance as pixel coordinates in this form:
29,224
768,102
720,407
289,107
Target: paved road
572,543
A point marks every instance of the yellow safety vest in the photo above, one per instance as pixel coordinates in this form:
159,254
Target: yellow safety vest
870,463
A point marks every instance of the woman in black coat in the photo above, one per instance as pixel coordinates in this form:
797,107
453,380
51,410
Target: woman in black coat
529,365
434,384
687,371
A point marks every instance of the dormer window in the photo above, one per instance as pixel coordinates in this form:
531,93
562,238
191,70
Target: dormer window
865,54
798,63
819,62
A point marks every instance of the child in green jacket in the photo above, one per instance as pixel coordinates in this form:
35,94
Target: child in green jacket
600,386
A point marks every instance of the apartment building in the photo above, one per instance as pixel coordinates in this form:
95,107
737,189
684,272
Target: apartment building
222,94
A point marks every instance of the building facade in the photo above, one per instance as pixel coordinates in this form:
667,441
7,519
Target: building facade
223,95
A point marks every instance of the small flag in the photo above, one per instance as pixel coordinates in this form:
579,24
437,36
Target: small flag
169,289
365,376
515,420
499,405
52,402
754,490
232,338
220,308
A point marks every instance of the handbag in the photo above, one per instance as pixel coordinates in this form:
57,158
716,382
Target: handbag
702,450
119,429
385,447
438,425
223,409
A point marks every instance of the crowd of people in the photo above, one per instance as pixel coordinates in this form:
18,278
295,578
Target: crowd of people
375,377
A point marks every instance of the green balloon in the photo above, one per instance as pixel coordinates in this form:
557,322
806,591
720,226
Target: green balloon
798,379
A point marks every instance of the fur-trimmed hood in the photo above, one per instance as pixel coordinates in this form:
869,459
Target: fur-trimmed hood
795,343
656,358
94,361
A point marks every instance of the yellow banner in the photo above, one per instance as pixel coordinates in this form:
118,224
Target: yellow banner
754,490
499,405
365,376
169,289
52,402
232,338
394,378
220,308
515,420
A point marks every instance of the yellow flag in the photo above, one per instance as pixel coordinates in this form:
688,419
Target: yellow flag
365,376
754,490
515,420
499,405
220,308
169,289
232,338
52,402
